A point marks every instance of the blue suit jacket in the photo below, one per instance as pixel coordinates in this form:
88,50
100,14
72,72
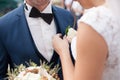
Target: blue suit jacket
16,43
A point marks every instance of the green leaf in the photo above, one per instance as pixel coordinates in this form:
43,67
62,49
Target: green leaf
66,31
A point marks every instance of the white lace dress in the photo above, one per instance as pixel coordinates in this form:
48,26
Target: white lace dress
102,20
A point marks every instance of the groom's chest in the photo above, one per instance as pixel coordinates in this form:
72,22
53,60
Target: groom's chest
42,33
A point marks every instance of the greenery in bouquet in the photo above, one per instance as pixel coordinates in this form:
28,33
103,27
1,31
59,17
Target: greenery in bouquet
34,72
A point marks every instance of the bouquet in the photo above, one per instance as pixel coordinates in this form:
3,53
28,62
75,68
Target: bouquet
34,72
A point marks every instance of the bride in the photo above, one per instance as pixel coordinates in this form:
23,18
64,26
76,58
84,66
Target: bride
96,45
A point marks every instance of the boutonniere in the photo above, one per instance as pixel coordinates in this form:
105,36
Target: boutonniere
70,33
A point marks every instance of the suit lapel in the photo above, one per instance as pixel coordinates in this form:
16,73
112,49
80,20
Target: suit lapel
26,37
58,20
62,19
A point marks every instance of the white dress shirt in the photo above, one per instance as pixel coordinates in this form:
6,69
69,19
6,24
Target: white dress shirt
42,32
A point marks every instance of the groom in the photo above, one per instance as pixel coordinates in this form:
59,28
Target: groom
26,34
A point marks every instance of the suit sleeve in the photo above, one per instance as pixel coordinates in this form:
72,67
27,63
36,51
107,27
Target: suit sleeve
3,62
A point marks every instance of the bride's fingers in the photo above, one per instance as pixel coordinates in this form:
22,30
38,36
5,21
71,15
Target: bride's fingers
69,39
64,37
59,34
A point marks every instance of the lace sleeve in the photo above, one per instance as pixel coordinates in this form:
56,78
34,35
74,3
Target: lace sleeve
100,21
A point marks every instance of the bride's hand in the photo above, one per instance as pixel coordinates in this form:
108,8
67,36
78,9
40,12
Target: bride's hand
60,45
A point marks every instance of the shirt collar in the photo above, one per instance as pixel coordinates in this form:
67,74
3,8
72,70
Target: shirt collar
48,9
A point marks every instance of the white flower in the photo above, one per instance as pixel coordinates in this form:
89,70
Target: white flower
71,34
29,75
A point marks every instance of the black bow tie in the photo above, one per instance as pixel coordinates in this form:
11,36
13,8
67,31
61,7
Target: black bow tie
47,17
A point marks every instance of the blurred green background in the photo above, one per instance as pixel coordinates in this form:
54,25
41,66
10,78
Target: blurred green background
8,5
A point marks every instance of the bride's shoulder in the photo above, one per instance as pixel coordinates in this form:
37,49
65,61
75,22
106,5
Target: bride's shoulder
97,15
98,12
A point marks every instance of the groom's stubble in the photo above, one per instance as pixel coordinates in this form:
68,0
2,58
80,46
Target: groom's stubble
39,4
